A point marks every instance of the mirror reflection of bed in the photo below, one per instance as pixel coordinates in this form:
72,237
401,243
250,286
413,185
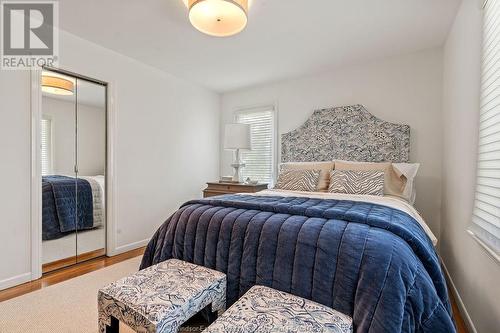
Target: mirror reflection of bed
73,155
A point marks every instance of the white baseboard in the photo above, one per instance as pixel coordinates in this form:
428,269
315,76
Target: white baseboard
460,303
15,280
128,247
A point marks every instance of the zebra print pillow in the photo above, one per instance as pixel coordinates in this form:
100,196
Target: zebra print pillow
357,182
298,180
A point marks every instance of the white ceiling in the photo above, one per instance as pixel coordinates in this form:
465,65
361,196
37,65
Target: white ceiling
284,38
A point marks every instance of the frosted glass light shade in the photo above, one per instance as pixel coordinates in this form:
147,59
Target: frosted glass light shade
57,85
237,136
219,18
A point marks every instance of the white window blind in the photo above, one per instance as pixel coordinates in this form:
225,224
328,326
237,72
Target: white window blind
486,215
260,161
46,146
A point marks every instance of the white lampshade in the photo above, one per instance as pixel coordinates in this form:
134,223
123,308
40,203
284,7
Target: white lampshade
237,136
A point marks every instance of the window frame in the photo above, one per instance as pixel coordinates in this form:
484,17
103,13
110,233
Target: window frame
273,107
474,229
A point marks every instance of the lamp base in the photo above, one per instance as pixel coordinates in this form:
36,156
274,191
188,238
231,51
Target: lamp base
237,166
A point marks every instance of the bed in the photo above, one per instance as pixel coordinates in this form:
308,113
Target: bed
371,258
70,204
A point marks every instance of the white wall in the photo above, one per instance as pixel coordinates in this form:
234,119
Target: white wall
15,159
405,89
91,140
91,134
475,275
167,146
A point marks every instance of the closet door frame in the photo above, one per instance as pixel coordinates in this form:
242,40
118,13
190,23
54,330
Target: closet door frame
36,170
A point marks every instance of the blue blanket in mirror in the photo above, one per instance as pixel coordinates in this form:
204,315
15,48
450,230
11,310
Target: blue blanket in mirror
66,203
371,262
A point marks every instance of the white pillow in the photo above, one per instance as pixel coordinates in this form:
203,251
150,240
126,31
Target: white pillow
409,170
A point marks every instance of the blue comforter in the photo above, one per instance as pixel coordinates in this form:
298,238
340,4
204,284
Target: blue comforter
60,213
368,261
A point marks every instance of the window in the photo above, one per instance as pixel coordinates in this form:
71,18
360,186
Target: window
486,215
260,161
46,146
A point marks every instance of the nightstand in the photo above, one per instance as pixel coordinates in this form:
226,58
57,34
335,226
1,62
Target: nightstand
217,188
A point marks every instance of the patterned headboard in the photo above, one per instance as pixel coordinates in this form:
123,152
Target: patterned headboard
346,133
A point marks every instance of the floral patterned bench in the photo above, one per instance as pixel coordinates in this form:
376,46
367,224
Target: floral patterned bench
161,298
263,310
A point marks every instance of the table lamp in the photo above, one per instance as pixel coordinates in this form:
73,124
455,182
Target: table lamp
237,136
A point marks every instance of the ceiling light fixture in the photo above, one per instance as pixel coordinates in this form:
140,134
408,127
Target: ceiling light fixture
57,85
220,18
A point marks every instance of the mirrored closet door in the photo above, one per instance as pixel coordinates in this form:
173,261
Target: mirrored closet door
73,158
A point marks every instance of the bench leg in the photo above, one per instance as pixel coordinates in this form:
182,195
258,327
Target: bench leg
114,327
108,324
219,305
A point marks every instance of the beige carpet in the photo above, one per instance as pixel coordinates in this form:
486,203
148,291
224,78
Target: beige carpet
67,307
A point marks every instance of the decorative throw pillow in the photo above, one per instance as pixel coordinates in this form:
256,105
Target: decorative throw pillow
394,184
357,182
298,180
325,167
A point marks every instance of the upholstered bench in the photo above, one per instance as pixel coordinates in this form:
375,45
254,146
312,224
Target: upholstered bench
263,310
161,298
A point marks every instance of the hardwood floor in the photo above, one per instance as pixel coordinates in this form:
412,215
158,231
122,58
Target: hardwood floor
58,264
457,316
67,273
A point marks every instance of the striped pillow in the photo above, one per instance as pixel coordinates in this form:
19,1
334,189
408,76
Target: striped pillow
298,180
357,182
